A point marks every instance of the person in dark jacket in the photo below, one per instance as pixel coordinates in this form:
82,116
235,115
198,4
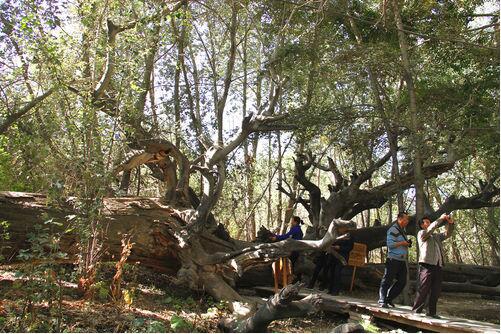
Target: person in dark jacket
343,246
329,267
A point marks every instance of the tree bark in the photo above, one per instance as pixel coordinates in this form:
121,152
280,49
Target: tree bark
163,239
279,306
459,275
493,236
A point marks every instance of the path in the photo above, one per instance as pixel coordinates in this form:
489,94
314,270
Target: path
402,314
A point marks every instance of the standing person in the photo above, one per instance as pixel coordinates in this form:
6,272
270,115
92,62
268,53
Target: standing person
321,262
343,246
331,266
296,233
431,261
396,266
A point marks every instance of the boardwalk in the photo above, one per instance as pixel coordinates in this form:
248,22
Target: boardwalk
402,314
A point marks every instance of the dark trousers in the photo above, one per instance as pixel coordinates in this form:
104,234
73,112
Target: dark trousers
430,284
294,257
320,263
388,290
335,269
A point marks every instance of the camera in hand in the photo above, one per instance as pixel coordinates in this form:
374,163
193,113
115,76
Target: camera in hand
410,243
444,222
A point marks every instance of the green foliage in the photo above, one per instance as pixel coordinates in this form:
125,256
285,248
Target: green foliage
179,324
102,290
43,282
369,327
179,303
4,236
142,325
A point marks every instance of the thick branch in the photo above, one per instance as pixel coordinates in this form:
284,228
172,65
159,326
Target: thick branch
364,176
487,198
377,196
211,193
407,179
148,70
375,237
302,164
156,150
338,177
295,198
113,30
258,255
339,180
10,119
104,82
250,124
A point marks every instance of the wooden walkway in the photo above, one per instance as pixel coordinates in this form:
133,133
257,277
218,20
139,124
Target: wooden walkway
400,314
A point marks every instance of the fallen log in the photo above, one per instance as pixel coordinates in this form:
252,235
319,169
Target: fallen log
452,272
165,238
279,306
468,288
147,219
282,305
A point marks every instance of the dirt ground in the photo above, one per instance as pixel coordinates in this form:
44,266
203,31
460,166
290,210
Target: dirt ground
153,303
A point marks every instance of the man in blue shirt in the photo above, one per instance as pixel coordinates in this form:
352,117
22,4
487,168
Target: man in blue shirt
396,266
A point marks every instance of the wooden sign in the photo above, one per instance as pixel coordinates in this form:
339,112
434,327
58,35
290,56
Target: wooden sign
358,255
357,259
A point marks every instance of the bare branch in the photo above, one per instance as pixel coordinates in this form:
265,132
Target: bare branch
295,199
221,103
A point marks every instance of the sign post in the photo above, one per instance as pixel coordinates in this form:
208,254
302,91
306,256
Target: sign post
357,259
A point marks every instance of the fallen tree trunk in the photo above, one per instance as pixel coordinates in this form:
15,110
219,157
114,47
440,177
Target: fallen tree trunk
452,272
279,306
162,237
146,218
156,229
468,288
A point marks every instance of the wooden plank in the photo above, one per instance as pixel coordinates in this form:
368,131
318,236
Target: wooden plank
401,314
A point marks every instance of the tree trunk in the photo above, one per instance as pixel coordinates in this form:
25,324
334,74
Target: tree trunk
493,236
280,173
177,76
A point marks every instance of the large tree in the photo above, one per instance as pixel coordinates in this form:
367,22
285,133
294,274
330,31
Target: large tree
148,102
